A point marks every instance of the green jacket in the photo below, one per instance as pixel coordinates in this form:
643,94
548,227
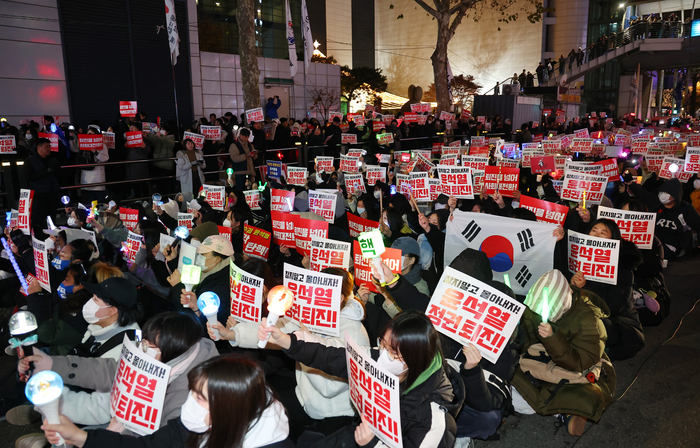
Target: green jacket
577,344
162,147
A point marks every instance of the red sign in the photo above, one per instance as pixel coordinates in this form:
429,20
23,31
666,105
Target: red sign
281,200
109,140
304,229
283,228
26,198
363,266
410,117
225,231
479,151
90,142
53,138
256,242
358,225
503,180
134,139
544,210
543,164
127,108
610,169
130,217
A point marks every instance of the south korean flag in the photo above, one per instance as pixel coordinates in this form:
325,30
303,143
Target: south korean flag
522,249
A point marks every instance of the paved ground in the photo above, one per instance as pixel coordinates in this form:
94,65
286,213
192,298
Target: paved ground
661,408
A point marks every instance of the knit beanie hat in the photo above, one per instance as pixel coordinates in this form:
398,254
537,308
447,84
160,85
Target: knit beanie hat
560,293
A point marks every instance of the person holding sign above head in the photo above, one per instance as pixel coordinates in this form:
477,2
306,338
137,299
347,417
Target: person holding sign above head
319,401
625,334
229,404
409,347
188,167
213,257
563,368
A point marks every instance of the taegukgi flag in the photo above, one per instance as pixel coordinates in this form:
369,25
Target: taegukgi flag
171,25
522,249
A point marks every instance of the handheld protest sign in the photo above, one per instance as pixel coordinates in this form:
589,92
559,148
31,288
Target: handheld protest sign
372,246
246,295
597,258
375,393
138,391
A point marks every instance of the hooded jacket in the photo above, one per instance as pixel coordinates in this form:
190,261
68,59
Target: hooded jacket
427,407
577,344
673,225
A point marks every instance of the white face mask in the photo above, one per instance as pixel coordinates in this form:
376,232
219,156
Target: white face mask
193,415
664,197
377,194
49,244
162,132
227,223
153,352
393,366
72,222
201,261
404,262
90,310
360,210
540,191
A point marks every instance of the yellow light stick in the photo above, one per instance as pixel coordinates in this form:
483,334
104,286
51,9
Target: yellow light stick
583,196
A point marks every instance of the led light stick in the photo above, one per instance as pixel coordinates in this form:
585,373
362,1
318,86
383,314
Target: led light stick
157,199
190,276
23,326
279,301
15,266
673,168
545,305
44,390
372,246
65,200
208,303
93,210
229,173
506,280
8,219
583,196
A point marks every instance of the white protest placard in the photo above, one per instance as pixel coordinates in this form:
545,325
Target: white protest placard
296,176
475,162
26,198
109,139
316,299
595,257
435,189
323,204
326,253
348,139
349,164
246,295
551,147
375,174
456,181
8,144
41,263
637,227
185,220
186,256
420,190
692,160
354,183
582,167
472,312
375,393
255,115
576,183
138,391
216,196
211,132
197,139
252,198
582,133
324,164
166,240
669,165
640,146
133,245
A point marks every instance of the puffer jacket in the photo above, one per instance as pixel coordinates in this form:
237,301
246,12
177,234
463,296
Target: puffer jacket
163,147
577,344
428,407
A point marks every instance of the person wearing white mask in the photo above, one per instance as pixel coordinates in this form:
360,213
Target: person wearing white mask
77,218
229,404
409,347
111,314
676,219
410,266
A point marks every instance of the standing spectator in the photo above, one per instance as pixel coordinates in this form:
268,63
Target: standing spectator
579,57
163,145
271,107
522,79
540,74
40,171
139,170
497,89
530,80
189,165
562,64
572,58
95,174
241,155
282,135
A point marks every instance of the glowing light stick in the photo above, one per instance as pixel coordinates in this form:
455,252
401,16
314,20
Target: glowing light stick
673,168
21,324
182,232
208,303
190,276
372,246
65,200
583,196
289,203
279,301
229,173
545,305
262,187
44,390
15,266
8,219
93,210
157,199
506,279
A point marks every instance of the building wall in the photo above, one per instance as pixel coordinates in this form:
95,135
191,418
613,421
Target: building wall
404,47
222,83
339,31
32,78
571,27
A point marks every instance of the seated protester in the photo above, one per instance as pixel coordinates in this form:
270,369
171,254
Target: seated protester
42,304
214,257
676,218
111,313
504,205
141,271
73,253
651,298
368,207
573,339
67,326
228,404
170,337
409,347
319,400
410,265
236,198
406,208
625,334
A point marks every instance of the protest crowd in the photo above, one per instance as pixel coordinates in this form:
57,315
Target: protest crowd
423,278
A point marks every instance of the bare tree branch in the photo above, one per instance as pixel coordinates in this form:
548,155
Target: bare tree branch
425,6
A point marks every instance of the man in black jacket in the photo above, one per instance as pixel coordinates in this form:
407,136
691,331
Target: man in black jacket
40,171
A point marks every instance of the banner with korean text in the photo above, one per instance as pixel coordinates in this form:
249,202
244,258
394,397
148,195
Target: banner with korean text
246,295
596,258
316,299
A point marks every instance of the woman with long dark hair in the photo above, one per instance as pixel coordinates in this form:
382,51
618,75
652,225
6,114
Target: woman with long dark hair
229,406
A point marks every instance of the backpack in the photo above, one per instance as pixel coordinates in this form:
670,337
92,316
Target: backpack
652,301
537,363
